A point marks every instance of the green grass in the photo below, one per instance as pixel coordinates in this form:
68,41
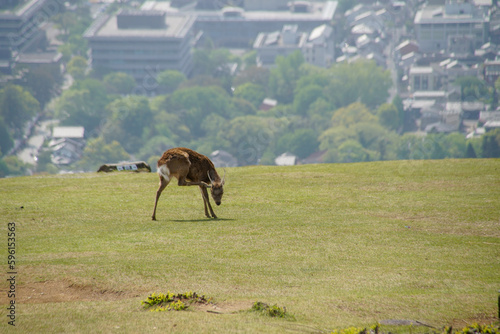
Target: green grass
338,245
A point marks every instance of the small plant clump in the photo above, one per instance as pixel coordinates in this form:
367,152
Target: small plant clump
173,302
471,329
474,329
274,311
357,330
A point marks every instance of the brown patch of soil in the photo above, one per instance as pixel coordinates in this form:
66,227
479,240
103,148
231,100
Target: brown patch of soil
61,291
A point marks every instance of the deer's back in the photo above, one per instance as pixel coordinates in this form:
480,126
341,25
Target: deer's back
182,157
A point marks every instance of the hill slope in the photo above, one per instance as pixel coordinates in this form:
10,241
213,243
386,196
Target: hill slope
337,245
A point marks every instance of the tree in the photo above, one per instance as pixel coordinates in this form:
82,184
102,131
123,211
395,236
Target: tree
17,106
193,104
15,166
470,153
302,143
83,105
253,74
284,76
250,58
251,92
241,107
354,113
97,152
130,123
409,147
374,138
362,81
348,151
76,45
41,82
4,169
388,116
119,83
305,97
216,63
155,147
170,80
63,22
6,141
472,89
77,67
250,137
335,136
491,144
320,114
398,103
455,145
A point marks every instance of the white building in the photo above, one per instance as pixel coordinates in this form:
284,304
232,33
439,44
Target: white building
424,78
316,47
437,27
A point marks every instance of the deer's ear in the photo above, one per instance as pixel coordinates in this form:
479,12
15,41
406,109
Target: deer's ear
224,178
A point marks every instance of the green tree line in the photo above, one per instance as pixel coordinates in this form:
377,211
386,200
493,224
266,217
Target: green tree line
341,111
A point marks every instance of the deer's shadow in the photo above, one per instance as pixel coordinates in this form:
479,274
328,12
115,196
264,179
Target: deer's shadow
200,220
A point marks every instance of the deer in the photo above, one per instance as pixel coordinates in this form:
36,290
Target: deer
190,168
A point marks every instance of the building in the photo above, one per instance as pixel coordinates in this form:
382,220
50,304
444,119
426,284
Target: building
274,5
67,144
142,43
21,29
491,71
239,27
317,47
424,78
278,43
438,27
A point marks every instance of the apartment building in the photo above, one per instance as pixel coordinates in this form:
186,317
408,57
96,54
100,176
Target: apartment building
439,27
142,43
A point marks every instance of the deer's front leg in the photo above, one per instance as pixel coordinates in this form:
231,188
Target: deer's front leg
204,195
206,201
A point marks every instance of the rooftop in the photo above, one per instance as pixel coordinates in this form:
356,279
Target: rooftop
421,70
68,132
176,26
25,8
318,10
438,14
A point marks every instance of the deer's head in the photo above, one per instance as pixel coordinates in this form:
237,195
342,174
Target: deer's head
216,188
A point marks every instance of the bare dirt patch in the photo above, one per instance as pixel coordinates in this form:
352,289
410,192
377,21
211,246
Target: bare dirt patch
62,291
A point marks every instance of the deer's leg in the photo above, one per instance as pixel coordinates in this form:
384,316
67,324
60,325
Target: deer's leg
203,190
183,182
206,202
163,184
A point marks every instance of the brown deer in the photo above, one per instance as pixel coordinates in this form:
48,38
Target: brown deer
190,168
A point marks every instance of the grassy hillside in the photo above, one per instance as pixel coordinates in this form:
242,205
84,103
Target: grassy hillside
337,245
